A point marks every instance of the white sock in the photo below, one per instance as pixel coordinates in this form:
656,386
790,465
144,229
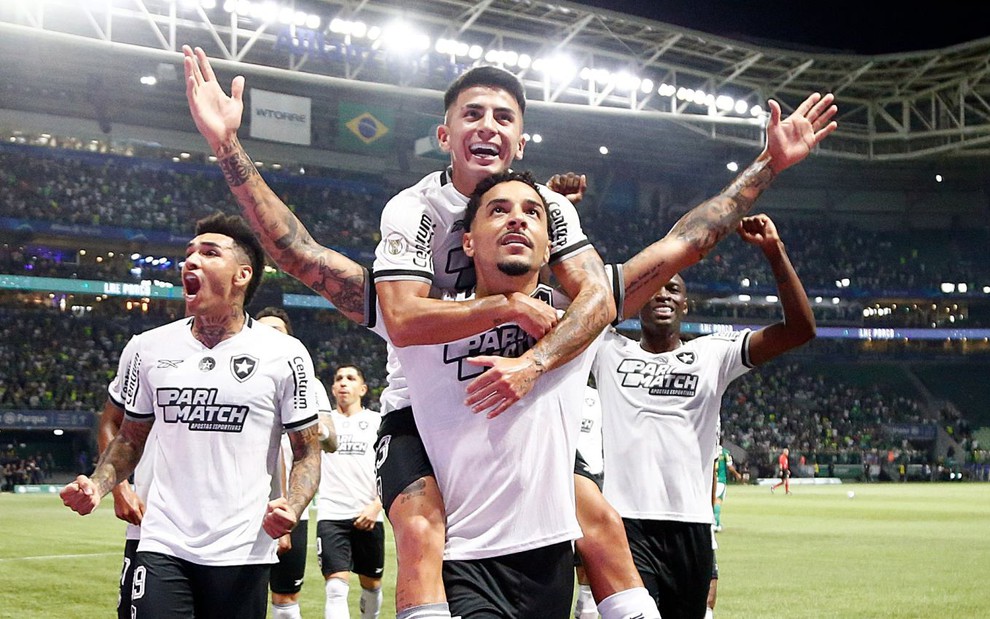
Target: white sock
585,607
371,603
709,613
629,603
336,607
286,611
425,611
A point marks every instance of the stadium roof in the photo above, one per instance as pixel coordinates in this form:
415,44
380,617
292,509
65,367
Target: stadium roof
83,57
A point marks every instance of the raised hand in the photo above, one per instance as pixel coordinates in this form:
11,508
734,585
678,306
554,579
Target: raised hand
570,185
217,116
758,230
790,140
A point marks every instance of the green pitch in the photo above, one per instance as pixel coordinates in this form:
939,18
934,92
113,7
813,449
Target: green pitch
908,550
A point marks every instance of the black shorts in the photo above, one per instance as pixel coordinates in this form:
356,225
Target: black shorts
400,457
287,574
534,584
126,577
675,561
581,468
341,547
167,587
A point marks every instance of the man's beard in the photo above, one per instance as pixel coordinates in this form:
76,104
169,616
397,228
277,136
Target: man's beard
513,268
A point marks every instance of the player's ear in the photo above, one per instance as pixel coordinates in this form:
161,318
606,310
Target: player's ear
468,244
521,146
243,275
443,138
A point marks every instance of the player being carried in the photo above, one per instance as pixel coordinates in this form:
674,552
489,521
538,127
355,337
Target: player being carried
483,133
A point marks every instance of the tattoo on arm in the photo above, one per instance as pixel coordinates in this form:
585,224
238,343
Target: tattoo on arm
582,322
304,478
121,455
713,220
235,164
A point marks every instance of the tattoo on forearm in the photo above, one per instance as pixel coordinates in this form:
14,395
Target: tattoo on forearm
235,164
712,221
582,322
120,456
304,478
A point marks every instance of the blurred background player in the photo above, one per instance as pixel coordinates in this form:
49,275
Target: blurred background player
784,471
660,406
350,529
723,466
289,573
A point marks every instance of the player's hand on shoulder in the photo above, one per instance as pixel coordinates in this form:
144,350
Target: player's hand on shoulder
570,185
81,495
279,518
534,316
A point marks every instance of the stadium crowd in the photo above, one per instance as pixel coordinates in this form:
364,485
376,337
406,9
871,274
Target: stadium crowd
57,360
157,195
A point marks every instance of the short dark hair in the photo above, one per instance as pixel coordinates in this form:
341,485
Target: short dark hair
357,369
276,312
486,76
474,203
237,229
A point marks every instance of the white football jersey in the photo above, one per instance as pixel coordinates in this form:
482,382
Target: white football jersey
660,417
590,439
347,482
421,232
323,406
219,413
508,482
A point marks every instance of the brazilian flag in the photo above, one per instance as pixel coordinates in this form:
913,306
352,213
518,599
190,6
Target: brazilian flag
364,128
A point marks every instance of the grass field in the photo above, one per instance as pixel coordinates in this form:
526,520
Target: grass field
910,550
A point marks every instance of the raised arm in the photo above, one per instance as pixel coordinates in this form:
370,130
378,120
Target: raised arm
798,325
789,141
116,464
127,504
332,275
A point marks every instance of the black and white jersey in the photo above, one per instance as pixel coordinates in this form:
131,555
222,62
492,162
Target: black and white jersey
347,481
660,416
507,483
421,232
218,413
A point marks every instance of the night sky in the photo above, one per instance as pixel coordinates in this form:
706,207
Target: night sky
864,27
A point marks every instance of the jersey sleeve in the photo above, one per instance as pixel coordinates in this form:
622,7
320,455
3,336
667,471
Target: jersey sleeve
735,358
323,404
298,406
135,395
566,236
405,251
